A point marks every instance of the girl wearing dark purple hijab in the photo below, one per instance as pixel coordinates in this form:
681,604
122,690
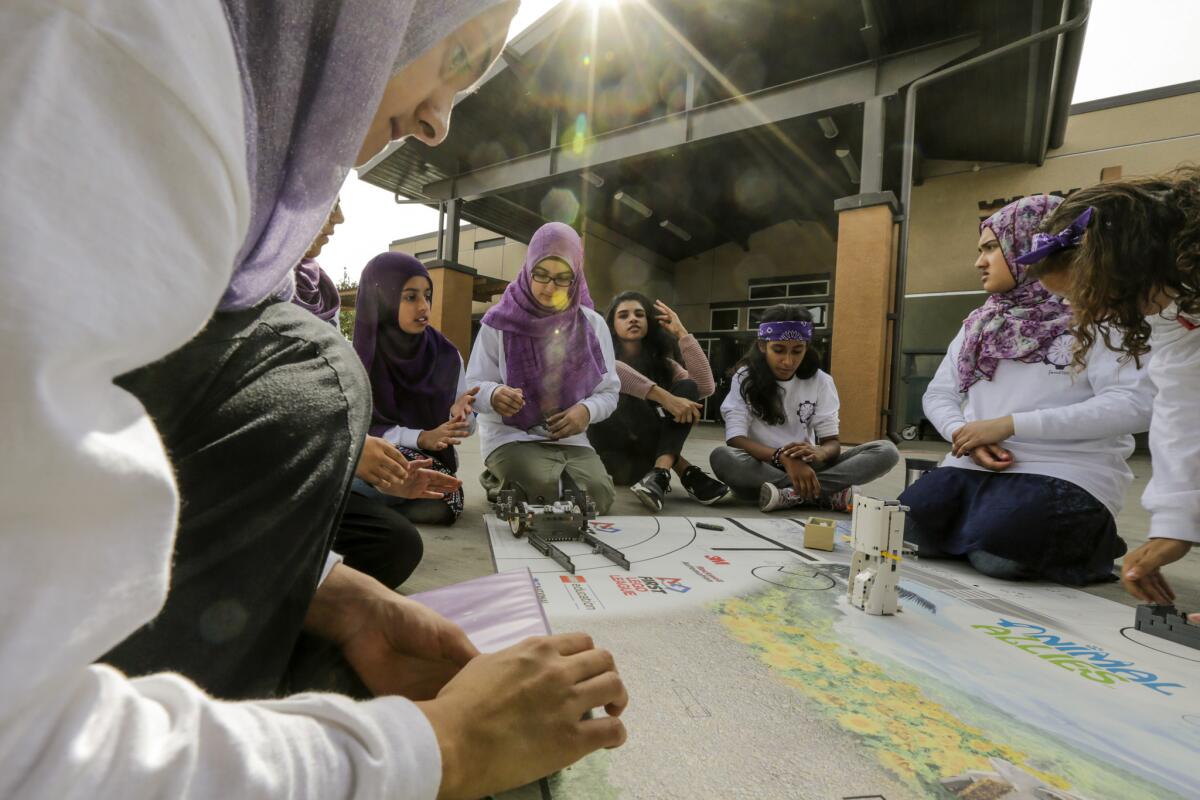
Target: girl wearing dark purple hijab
543,362
1037,474
421,403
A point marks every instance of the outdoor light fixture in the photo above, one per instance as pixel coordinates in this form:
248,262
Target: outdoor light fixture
666,224
849,163
828,127
593,179
633,203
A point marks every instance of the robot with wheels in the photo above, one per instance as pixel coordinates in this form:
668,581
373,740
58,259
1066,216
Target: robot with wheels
877,540
565,520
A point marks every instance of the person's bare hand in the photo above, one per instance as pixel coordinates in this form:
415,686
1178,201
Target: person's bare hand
669,320
804,479
1141,573
381,464
570,422
423,483
993,457
465,404
448,434
511,717
807,452
508,401
981,432
681,409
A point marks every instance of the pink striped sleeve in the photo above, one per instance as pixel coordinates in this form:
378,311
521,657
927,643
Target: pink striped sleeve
633,382
697,365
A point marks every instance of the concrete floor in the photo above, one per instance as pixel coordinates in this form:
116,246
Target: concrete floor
461,552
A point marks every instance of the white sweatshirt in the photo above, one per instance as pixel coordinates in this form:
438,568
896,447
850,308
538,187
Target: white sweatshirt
125,198
407,437
810,406
487,371
1075,427
1173,495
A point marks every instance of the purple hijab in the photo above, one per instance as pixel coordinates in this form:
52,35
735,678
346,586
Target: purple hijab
553,356
414,377
313,72
1022,323
316,291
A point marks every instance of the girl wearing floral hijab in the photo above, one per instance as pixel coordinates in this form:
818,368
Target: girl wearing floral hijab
1037,473
543,362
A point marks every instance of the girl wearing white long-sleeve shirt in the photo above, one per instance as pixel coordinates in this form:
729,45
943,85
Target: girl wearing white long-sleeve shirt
1037,474
1127,254
544,365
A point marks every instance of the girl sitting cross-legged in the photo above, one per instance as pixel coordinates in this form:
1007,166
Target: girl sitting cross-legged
643,440
781,424
1037,473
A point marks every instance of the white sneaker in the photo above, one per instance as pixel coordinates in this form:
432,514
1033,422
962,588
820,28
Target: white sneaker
773,498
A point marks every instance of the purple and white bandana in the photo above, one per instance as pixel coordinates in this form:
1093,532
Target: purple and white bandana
795,330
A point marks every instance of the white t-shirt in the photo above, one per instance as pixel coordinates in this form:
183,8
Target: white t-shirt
487,370
1173,495
126,198
1076,427
810,407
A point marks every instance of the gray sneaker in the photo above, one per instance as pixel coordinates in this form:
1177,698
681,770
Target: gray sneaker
773,498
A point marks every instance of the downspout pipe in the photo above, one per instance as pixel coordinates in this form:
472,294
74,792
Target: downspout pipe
906,183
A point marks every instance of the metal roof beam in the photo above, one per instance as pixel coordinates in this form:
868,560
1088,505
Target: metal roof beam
847,86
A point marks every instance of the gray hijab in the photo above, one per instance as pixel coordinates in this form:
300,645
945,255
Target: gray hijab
313,72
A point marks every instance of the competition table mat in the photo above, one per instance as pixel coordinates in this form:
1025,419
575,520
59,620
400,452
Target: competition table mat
750,675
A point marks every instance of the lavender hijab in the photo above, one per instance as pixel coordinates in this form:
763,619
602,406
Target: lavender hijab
551,355
1022,323
414,377
313,73
316,291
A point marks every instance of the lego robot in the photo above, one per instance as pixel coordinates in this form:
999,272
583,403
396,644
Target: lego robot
877,541
1167,623
564,520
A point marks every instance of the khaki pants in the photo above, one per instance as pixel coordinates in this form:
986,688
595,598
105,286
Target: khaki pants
533,470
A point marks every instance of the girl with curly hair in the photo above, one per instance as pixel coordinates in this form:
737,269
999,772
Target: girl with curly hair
1127,256
1037,474
782,424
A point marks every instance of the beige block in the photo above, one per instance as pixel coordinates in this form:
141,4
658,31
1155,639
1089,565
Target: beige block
819,533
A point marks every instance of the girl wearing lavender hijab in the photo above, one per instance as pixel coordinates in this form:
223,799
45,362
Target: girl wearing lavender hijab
224,128
543,362
782,424
315,290
1037,473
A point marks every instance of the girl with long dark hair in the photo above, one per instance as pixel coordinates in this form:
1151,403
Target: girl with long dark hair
1037,474
782,424
642,442
1127,256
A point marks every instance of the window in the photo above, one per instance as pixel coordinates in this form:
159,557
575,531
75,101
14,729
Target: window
425,255
789,289
483,244
724,319
820,315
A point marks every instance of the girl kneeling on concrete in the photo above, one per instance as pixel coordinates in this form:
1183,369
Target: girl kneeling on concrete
1037,474
781,424
543,362
643,440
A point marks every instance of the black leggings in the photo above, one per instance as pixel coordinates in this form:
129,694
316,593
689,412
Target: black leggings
632,439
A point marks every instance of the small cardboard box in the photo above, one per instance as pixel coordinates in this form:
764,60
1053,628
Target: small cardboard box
819,533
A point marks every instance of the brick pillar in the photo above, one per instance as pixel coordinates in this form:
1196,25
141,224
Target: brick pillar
453,290
863,296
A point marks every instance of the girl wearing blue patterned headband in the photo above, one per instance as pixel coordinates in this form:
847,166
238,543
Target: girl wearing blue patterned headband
781,424
1133,280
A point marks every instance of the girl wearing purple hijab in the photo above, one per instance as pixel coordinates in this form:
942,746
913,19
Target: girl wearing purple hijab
543,362
1037,473
421,403
207,498
315,290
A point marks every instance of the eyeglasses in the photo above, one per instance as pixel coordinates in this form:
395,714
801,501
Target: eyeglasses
561,280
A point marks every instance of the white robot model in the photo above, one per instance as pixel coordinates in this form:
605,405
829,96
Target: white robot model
877,540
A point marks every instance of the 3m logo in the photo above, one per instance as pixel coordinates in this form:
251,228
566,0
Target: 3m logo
572,579
718,560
